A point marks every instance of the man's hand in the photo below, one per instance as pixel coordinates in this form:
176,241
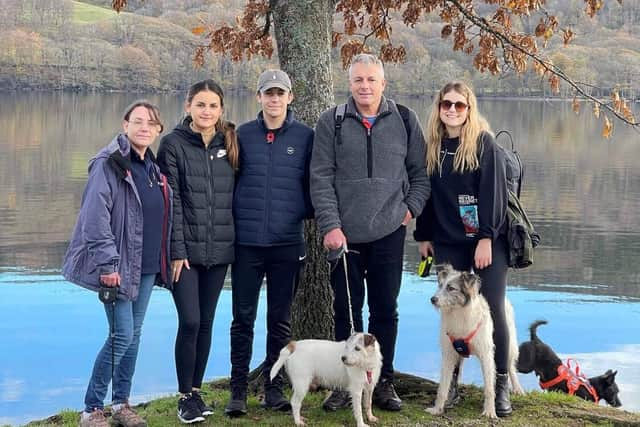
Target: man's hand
335,239
482,256
111,280
407,218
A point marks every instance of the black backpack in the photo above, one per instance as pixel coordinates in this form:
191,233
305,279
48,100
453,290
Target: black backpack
521,235
340,110
515,168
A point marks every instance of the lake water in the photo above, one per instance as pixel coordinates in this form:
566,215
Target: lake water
582,193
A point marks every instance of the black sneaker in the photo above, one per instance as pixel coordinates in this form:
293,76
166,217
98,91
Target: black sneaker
237,405
273,399
205,409
385,397
338,399
188,411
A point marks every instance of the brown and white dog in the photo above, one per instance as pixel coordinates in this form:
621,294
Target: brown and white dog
466,328
352,365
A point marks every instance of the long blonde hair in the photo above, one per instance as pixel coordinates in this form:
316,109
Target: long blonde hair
466,157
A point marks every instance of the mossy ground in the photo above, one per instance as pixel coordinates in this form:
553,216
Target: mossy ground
532,409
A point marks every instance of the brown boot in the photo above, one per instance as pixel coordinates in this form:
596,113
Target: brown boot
93,419
127,417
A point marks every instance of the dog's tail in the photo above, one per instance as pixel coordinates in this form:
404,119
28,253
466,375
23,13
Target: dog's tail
534,327
286,351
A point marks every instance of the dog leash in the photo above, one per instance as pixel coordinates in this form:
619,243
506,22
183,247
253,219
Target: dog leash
346,279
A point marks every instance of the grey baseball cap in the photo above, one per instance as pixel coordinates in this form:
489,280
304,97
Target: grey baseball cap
274,78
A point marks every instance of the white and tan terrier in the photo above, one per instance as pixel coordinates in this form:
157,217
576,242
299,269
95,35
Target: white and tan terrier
466,328
353,365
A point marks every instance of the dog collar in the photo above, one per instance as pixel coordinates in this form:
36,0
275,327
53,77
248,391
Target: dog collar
369,376
462,346
574,380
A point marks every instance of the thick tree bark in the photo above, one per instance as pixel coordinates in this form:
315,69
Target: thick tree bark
303,35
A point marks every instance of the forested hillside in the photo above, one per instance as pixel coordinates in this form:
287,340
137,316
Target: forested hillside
84,45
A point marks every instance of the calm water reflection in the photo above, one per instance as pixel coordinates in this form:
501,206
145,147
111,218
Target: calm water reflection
582,192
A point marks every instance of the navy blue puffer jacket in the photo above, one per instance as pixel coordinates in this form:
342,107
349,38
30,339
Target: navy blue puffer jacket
271,197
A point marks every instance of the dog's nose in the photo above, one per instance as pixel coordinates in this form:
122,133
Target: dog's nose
434,300
344,358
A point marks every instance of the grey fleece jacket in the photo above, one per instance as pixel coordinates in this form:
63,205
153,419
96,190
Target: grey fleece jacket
365,183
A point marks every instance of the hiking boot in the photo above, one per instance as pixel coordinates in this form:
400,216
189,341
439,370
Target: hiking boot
453,398
385,397
273,399
205,409
237,405
188,411
126,417
93,419
338,399
503,402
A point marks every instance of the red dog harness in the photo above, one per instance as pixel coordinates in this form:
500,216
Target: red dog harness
574,380
462,346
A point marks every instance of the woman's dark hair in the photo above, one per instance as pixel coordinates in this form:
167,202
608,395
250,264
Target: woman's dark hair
154,111
228,129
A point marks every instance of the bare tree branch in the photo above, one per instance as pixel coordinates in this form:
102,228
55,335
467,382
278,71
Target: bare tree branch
548,66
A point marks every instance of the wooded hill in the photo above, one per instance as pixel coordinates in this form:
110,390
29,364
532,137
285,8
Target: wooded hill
84,45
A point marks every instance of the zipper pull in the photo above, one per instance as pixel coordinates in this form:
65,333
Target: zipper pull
367,125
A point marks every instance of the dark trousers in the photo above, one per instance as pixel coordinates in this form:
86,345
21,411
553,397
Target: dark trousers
196,297
281,265
493,287
379,263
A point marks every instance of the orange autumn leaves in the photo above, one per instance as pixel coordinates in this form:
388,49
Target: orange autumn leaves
489,34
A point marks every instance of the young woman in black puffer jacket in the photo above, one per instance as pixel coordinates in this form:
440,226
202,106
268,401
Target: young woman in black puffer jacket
199,157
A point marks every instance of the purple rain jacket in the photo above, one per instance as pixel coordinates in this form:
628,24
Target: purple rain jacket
108,233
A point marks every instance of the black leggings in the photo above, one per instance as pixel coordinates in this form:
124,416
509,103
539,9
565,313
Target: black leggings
196,297
493,288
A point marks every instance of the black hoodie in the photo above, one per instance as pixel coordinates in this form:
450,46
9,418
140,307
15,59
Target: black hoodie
466,207
202,180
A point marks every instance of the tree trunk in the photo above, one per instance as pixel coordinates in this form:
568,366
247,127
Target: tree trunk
303,35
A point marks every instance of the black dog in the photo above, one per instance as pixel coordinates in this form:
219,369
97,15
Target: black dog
537,356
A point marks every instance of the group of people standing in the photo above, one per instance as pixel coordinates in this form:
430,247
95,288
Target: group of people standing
217,196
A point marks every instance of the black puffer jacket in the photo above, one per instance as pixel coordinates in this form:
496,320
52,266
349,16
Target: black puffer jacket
202,180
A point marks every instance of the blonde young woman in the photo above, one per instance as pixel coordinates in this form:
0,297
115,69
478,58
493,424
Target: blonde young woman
464,223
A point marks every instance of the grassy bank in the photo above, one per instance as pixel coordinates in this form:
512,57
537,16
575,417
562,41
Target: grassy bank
532,409
84,13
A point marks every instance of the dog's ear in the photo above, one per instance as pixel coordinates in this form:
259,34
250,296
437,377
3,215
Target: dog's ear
610,376
443,271
471,282
369,340
526,358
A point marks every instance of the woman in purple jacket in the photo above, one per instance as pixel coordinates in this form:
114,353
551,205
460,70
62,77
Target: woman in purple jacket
120,240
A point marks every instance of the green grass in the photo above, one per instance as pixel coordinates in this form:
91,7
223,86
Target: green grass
84,13
531,410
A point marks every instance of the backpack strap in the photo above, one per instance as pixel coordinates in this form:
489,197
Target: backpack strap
338,115
341,109
404,113
516,157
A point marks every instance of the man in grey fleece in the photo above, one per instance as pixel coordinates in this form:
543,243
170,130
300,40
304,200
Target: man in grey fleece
368,180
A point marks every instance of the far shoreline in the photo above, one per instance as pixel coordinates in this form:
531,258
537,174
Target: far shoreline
248,92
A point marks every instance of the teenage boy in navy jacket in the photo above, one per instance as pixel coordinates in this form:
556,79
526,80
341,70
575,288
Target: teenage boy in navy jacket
271,201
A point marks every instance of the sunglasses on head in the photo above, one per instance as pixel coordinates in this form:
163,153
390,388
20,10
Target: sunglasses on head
459,105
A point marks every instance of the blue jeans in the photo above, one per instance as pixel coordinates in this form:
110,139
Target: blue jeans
129,316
